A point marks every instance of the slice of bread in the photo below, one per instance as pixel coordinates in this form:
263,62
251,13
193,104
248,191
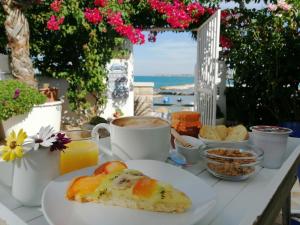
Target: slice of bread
237,133
210,132
222,131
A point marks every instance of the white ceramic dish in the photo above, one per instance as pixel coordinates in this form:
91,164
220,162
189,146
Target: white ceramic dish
58,210
192,154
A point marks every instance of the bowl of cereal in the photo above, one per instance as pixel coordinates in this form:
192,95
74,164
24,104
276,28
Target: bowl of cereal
236,163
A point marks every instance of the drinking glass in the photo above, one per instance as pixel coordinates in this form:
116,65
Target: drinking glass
81,152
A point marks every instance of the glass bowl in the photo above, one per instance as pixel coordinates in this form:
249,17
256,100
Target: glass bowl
232,163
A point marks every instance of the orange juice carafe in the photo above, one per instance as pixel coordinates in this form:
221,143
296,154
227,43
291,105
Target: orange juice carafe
81,152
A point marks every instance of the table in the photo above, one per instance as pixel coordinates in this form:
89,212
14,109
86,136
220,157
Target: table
252,202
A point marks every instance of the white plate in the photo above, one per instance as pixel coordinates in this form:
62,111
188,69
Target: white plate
57,210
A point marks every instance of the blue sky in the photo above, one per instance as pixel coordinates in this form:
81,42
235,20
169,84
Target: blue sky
172,53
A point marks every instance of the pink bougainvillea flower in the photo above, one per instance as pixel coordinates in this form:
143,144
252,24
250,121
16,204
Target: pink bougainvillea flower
225,42
134,35
115,19
120,1
152,36
93,15
283,5
195,9
176,13
101,3
272,7
54,23
17,93
56,5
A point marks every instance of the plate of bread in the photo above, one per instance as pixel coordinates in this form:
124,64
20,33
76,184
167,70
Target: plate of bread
129,193
223,134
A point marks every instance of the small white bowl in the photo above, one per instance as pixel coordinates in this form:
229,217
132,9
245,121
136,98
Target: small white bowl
192,155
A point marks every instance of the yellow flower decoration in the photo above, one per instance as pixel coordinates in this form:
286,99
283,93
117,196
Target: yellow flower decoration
13,147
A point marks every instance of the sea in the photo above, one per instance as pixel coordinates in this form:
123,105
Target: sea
171,102
165,80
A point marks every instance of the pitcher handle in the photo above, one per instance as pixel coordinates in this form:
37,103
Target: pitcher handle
95,135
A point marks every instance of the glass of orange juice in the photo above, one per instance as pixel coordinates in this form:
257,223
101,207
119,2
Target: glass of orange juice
81,152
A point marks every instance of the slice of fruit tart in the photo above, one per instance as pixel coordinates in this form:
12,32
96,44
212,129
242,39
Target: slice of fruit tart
114,184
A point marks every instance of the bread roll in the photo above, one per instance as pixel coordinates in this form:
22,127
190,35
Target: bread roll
222,131
237,133
210,132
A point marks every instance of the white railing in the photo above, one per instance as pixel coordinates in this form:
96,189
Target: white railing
206,71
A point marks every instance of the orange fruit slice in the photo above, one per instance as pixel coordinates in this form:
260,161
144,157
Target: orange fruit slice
144,187
110,167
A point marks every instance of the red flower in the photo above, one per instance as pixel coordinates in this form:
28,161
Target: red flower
53,23
225,42
101,3
56,5
225,16
210,11
93,15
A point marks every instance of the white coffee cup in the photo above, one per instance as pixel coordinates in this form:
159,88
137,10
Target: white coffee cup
137,138
273,141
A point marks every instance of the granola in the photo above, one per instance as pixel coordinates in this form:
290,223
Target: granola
231,162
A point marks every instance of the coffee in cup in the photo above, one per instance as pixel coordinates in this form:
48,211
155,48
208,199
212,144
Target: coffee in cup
140,122
138,138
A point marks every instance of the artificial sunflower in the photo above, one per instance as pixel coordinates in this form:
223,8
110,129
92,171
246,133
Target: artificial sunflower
13,147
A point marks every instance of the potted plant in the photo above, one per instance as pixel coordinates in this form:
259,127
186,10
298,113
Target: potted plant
23,106
50,92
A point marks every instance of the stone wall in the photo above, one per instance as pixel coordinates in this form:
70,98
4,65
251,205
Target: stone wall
143,98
